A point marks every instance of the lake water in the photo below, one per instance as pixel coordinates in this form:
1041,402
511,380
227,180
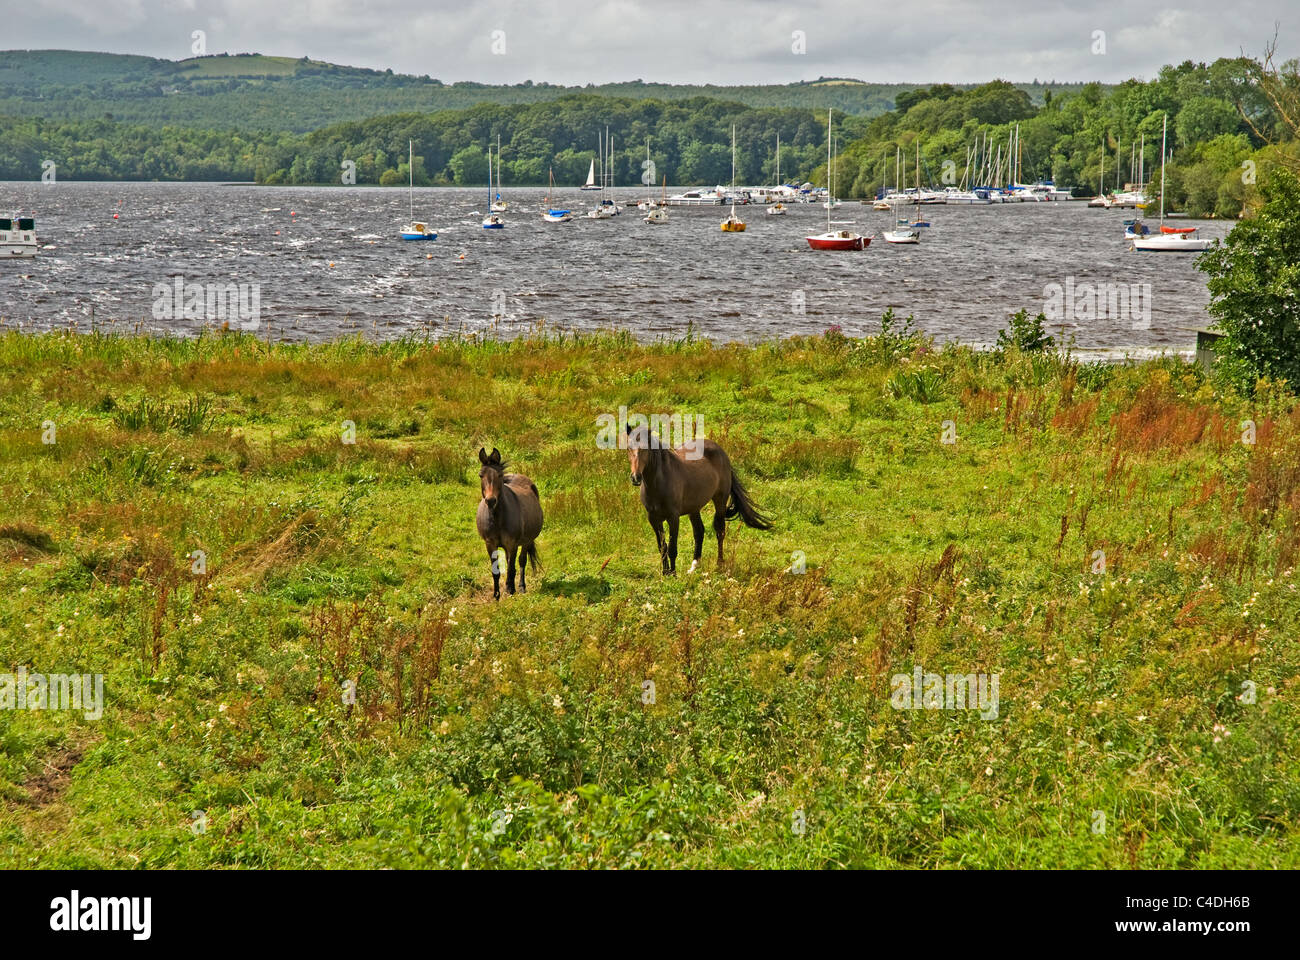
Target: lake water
327,261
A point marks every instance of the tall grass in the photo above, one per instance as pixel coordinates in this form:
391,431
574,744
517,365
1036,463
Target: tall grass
337,688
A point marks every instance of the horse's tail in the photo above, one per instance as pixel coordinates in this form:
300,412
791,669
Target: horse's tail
743,507
530,553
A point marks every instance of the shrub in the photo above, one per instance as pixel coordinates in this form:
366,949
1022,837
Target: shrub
1027,334
1253,278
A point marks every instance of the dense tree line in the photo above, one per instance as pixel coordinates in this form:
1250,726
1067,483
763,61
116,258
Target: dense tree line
689,143
1226,120
1221,129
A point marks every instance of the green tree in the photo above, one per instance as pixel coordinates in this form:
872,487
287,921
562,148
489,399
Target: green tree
469,166
1254,281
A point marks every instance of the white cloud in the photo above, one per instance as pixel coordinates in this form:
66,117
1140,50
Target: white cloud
742,41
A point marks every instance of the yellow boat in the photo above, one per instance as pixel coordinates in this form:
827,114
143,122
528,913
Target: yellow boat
733,224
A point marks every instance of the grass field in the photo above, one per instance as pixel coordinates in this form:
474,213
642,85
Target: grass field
1147,697
242,65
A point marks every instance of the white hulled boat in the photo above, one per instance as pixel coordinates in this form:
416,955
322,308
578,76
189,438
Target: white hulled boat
414,229
1169,239
17,237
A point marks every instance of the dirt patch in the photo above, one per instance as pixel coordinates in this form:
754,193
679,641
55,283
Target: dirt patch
48,785
22,541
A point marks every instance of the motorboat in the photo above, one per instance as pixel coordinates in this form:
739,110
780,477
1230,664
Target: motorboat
17,237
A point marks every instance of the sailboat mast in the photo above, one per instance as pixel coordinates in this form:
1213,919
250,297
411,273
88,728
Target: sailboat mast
1164,133
410,173
829,113
733,169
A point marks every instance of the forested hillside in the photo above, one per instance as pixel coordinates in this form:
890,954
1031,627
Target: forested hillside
255,92
1222,126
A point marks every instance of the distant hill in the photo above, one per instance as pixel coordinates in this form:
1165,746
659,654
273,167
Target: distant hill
254,92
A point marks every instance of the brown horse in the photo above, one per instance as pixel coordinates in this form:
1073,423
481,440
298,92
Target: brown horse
509,517
679,482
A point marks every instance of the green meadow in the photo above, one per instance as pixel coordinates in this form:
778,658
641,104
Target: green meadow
303,665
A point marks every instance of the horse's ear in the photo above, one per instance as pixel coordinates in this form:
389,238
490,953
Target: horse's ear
482,456
629,429
496,455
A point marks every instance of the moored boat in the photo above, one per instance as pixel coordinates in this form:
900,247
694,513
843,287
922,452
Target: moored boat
903,232
17,237
549,213
834,239
414,229
1169,239
733,224
838,240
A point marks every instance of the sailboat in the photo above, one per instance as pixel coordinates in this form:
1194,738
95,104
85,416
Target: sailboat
591,178
733,224
550,214
493,221
414,229
1169,239
606,208
498,205
659,212
834,239
903,231
777,209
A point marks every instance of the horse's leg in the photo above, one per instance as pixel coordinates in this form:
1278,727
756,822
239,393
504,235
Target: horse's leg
510,568
523,569
697,528
496,573
658,527
673,523
720,521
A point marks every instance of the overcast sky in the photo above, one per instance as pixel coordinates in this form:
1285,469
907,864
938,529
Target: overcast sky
678,41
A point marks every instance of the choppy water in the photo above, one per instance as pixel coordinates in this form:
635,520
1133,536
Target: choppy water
328,261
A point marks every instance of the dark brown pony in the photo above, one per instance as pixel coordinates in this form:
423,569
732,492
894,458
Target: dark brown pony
509,518
674,485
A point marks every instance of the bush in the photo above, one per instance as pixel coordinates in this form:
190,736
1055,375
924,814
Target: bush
1253,278
1027,334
